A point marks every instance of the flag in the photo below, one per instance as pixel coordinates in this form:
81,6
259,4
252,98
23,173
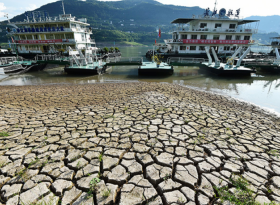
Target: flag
155,41
12,39
159,33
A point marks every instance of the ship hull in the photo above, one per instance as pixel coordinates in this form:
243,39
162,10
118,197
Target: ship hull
227,72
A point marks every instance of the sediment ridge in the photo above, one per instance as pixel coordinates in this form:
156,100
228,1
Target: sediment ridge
133,143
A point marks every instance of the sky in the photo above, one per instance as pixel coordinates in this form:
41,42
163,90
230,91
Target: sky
248,7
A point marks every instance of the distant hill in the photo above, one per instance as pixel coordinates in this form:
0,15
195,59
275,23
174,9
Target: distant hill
267,24
146,15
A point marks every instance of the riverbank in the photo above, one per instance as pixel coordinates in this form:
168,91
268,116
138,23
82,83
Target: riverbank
132,143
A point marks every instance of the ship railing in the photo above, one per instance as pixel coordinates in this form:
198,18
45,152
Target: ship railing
185,60
234,18
78,61
48,57
218,30
41,30
120,59
7,60
259,62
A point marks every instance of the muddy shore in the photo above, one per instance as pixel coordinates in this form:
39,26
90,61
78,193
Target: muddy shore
132,143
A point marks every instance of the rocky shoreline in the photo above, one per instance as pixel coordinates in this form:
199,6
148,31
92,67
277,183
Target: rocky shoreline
133,143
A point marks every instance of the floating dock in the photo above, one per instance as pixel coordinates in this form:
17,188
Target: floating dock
151,68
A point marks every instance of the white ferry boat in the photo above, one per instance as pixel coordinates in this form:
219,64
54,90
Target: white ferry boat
41,34
225,32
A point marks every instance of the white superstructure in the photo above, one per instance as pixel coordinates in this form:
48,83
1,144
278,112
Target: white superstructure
220,31
40,33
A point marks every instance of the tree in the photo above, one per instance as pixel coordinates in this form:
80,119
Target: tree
106,50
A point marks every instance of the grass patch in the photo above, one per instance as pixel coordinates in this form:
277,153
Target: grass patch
274,153
92,185
100,157
106,193
4,134
242,195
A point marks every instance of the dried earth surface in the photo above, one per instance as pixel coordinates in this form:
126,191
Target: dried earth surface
132,143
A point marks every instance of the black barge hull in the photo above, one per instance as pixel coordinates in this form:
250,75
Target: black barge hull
229,73
155,71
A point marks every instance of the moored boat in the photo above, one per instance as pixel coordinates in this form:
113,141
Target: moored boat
227,69
41,34
85,64
224,32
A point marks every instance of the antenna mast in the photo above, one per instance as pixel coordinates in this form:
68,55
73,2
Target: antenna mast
215,5
63,7
7,15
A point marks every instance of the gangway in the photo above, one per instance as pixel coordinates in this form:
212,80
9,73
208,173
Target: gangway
119,61
178,61
52,59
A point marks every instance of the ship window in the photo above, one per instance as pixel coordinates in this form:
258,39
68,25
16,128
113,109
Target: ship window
22,37
35,36
83,37
203,25
183,48
184,36
194,37
226,48
218,25
237,37
49,36
246,37
202,48
29,37
228,37
192,48
203,37
232,26
69,36
216,37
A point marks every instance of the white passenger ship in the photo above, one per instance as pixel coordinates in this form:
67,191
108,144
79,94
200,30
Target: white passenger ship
224,31
41,34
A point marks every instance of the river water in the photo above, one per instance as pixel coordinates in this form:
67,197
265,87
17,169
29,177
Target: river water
261,89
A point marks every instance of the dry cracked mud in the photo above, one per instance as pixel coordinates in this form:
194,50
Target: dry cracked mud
132,143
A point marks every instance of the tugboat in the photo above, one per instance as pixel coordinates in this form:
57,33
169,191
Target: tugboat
266,65
13,65
85,64
224,32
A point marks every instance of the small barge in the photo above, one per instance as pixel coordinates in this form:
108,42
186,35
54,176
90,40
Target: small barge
227,69
85,64
152,68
